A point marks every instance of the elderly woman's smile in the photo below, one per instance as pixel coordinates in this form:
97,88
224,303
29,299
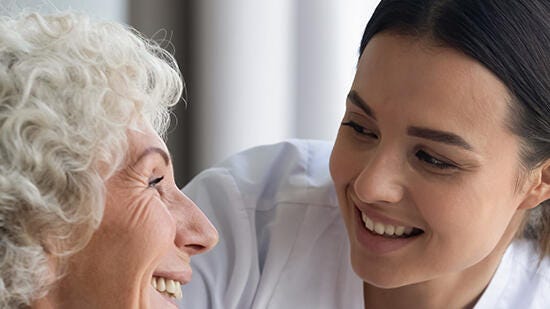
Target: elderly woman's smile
156,227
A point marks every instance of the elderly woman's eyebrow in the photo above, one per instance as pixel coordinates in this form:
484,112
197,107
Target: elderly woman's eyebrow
153,150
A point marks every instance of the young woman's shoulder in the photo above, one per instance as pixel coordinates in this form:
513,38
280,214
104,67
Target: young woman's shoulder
522,279
279,223
530,269
294,170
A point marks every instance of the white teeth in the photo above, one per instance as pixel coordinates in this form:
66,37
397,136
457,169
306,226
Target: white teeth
379,228
369,224
179,293
390,229
166,286
385,229
399,230
170,286
161,285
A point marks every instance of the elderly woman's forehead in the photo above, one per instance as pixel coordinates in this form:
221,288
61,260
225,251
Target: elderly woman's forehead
145,140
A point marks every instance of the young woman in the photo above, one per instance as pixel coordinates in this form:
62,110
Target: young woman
440,170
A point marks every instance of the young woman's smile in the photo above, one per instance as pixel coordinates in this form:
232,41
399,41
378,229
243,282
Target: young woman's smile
424,165
380,234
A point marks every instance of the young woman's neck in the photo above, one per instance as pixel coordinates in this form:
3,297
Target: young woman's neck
458,290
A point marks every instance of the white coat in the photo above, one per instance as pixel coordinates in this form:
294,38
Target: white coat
284,245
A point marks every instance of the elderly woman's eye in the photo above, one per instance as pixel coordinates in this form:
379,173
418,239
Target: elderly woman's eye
155,181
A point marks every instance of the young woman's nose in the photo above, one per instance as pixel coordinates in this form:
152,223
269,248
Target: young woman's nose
379,181
195,234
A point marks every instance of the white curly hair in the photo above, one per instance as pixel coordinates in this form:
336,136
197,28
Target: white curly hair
70,88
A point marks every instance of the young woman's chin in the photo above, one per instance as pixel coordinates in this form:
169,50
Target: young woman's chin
384,276
379,279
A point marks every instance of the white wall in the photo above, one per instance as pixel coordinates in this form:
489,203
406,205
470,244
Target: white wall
244,69
329,33
271,70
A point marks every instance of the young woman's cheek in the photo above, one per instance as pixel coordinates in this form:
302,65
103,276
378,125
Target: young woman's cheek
345,160
458,218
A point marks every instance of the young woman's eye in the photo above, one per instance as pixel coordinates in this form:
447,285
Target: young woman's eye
155,181
431,160
360,129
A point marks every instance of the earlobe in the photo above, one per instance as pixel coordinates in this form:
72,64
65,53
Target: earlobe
539,184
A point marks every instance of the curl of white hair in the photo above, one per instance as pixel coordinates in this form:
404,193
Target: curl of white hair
70,88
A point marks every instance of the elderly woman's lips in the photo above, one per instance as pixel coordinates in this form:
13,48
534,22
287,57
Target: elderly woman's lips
170,283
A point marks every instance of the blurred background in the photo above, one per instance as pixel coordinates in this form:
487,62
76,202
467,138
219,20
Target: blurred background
256,72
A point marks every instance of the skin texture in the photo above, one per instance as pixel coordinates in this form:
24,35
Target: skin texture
148,227
469,202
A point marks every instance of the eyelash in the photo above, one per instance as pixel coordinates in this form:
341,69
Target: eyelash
359,129
420,154
155,181
431,160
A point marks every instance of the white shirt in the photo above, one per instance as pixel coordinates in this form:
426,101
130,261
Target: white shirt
284,245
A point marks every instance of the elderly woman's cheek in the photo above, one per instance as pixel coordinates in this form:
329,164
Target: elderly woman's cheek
153,222
140,221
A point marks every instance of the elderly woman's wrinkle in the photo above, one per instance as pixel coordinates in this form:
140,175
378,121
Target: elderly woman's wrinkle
131,174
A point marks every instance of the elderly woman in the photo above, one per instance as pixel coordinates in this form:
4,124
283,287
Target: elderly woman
90,215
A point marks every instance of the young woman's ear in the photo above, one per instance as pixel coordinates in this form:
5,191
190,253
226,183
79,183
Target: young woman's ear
538,187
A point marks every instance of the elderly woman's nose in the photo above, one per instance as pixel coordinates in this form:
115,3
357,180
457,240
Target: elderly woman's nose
195,234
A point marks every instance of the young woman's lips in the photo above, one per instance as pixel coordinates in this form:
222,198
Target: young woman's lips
380,235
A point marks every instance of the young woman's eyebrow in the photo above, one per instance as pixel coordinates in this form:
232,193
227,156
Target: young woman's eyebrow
356,100
439,136
434,135
153,150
